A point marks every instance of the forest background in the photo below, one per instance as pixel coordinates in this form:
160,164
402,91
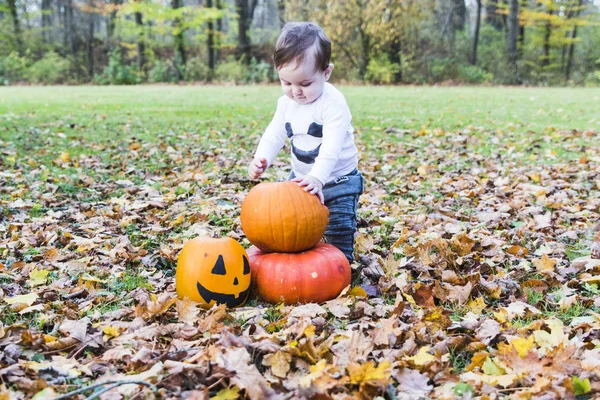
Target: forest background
546,42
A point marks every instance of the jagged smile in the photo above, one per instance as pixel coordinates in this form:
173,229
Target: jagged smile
222,298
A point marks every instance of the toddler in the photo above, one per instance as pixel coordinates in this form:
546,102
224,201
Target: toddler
314,115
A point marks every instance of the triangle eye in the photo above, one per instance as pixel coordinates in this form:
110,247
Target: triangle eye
219,268
246,266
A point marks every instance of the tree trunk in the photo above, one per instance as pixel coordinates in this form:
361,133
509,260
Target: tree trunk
395,57
219,33
459,12
110,24
141,41
12,6
521,41
245,12
210,40
64,23
71,29
243,47
476,34
179,43
547,33
513,25
492,17
46,5
281,12
572,44
90,45
364,53
446,19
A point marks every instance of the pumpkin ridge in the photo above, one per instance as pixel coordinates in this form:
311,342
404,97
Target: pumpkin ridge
297,237
271,230
281,217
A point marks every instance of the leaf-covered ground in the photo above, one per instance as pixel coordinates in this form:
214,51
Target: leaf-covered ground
478,256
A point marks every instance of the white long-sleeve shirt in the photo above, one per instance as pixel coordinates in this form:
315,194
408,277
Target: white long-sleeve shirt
321,136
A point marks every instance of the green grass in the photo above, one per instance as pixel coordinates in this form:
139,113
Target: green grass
127,110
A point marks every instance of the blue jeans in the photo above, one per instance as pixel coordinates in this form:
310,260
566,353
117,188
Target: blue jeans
341,198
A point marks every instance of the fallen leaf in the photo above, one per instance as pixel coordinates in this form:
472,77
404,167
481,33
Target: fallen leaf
28,299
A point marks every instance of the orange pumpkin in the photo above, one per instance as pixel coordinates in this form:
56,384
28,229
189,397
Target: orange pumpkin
213,271
282,217
315,275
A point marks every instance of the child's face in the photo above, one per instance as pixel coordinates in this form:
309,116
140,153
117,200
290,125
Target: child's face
301,82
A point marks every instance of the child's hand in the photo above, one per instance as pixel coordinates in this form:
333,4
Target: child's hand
312,185
257,167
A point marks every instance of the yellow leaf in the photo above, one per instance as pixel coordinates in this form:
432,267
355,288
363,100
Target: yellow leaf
502,380
111,331
28,299
500,316
423,169
357,291
232,393
522,345
477,305
318,367
49,338
309,331
280,364
554,338
545,264
135,146
89,278
490,368
410,299
38,277
422,357
179,220
477,360
368,372
535,176
65,157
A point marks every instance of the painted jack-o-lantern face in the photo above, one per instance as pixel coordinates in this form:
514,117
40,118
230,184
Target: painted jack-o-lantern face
213,271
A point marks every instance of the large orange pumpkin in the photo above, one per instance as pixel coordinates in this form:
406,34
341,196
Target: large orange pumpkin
315,275
213,271
282,217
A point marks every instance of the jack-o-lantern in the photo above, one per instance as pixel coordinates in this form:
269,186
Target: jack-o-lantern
213,271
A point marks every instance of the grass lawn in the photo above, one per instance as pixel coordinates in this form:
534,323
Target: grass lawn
480,207
534,109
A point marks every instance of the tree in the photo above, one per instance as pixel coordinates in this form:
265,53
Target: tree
245,11
210,40
178,34
492,16
112,16
281,12
572,44
547,33
219,33
141,41
12,6
513,27
452,16
46,12
459,14
90,41
476,34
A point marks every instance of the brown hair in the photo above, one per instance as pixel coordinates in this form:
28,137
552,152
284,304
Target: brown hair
296,38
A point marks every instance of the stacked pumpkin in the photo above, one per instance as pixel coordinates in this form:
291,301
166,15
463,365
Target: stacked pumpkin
287,262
